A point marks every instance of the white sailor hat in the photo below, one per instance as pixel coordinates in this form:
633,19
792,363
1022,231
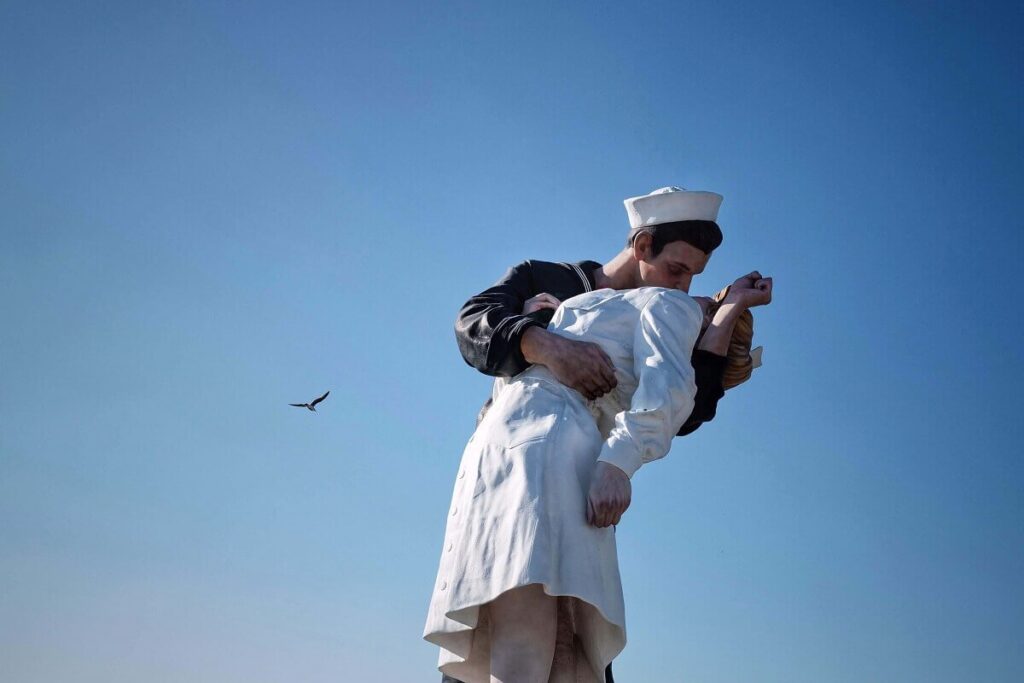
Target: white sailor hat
671,204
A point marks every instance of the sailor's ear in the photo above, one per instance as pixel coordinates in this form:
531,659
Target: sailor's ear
642,246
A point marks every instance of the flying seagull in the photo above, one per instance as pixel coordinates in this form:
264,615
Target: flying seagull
311,405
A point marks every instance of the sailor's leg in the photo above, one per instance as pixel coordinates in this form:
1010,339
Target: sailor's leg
523,624
563,667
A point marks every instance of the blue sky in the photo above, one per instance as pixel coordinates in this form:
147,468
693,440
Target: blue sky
210,210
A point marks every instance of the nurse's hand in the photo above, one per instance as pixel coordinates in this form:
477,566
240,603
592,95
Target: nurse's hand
583,366
750,290
610,495
540,302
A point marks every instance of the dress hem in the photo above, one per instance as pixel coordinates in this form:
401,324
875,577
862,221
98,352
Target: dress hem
441,637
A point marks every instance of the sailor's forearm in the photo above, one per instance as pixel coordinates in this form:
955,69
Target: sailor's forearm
535,345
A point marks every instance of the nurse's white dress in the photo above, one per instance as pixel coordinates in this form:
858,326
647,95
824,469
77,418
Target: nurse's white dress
518,512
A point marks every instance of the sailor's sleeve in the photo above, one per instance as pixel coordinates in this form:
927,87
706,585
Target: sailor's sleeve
490,325
662,345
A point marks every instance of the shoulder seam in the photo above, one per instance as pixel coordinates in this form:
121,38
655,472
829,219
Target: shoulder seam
662,293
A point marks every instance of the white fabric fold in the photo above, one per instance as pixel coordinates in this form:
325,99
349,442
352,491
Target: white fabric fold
662,345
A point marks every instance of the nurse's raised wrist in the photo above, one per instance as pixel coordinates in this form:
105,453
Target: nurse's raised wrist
716,338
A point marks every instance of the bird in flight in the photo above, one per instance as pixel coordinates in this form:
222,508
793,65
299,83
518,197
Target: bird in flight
311,405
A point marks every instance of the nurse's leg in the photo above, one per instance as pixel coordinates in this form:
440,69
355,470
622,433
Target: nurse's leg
523,624
563,666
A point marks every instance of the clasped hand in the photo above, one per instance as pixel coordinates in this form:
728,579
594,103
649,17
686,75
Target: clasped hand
750,290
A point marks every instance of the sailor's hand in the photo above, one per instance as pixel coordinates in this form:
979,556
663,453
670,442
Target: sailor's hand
539,302
750,290
583,366
609,496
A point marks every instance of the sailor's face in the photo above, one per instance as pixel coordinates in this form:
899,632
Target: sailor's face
674,267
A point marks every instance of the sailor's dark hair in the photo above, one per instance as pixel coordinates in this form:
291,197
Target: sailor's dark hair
704,235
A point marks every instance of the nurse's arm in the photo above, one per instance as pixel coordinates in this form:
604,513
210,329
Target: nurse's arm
662,345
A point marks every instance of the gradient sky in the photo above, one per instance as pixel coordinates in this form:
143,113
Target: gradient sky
212,209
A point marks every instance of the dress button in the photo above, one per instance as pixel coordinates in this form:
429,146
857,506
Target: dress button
444,585
450,546
455,511
462,473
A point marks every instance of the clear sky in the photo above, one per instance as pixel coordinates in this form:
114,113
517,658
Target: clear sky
212,209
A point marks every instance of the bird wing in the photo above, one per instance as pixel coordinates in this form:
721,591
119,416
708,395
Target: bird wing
319,399
298,405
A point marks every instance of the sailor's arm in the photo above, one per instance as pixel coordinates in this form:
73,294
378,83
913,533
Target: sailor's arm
490,326
496,338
